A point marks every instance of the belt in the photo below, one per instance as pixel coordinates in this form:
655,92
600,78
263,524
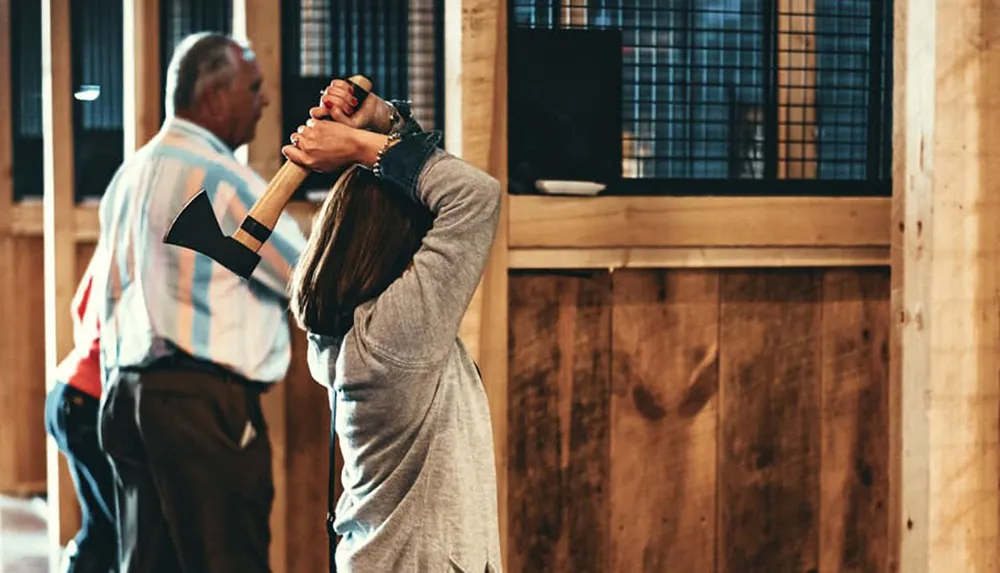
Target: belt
184,361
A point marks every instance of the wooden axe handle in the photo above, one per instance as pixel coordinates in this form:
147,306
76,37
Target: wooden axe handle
267,209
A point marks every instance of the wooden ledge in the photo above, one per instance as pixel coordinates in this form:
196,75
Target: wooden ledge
698,257
644,232
643,222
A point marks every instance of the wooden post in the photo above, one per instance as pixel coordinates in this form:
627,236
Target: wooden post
142,90
476,130
7,298
797,89
945,353
58,222
260,24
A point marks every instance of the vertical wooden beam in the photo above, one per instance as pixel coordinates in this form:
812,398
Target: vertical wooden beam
573,13
142,91
946,287
60,249
6,136
797,89
261,26
476,130
7,294
259,23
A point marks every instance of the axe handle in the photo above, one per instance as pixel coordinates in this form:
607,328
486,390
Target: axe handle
265,212
260,221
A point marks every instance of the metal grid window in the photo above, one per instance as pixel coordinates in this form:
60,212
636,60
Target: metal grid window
26,92
398,45
788,96
98,70
180,18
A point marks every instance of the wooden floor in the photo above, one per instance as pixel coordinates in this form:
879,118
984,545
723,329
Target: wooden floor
22,536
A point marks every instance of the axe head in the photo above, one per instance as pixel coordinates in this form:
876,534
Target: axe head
196,228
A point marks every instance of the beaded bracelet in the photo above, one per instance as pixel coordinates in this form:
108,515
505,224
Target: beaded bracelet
377,167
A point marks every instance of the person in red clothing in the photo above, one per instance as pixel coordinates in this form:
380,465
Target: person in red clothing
71,418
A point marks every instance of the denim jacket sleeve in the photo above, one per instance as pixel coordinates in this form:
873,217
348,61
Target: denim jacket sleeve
403,162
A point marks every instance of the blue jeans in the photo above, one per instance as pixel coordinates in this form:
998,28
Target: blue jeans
71,420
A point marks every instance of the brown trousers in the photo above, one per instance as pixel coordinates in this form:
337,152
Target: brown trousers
192,460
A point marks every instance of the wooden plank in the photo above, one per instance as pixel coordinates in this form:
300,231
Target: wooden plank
664,420
559,427
307,431
260,24
141,90
947,196
854,486
797,89
6,137
698,257
769,372
27,221
59,249
22,395
476,130
9,303
610,222
914,85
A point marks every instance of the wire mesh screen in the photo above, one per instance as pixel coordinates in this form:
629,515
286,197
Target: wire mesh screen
180,18
398,44
26,97
98,68
785,95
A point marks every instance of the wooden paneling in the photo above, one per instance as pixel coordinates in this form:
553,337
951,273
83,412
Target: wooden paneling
664,414
855,416
769,378
559,408
746,424
22,393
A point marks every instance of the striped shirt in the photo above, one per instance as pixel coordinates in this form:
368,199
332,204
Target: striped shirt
161,297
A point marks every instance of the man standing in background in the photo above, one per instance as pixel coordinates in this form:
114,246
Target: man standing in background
187,345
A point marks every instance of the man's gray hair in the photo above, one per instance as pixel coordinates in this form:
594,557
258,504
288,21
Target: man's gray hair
199,61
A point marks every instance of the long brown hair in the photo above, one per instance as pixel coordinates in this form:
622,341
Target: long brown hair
362,239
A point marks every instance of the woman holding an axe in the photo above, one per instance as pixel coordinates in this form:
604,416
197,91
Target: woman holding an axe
395,255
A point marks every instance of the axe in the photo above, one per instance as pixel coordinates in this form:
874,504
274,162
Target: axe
196,228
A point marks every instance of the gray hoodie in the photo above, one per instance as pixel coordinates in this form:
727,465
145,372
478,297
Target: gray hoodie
410,409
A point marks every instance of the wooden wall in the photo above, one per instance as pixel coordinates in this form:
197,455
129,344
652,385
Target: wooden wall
699,421
649,417
22,387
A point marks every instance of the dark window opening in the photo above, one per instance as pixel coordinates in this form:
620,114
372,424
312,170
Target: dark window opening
97,75
181,18
26,98
398,45
740,97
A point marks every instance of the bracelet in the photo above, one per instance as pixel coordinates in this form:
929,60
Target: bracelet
377,166
395,119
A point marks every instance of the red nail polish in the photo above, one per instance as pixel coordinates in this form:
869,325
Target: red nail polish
354,101
328,104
